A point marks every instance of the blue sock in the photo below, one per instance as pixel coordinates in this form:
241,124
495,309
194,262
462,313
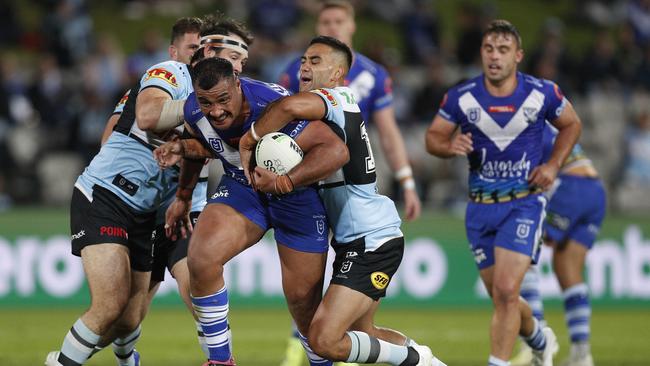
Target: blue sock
212,311
577,312
536,340
78,344
314,359
530,292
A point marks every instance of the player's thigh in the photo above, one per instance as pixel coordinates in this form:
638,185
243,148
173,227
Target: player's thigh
221,233
340,308
301,269
107,268
509,269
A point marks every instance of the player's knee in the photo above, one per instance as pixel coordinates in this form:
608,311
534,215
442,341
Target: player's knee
303,296
323,341
203,267
505,292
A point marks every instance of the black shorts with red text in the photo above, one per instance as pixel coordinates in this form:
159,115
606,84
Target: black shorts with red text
166,253
367,272
107,219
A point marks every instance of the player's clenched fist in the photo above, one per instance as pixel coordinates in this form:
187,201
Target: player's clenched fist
461,144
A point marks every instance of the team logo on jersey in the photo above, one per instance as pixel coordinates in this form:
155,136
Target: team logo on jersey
530,114
216,144
329,96
473,115
379,280
162,74
345,266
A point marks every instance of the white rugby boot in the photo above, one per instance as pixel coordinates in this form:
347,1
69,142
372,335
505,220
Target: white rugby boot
52,359
545,357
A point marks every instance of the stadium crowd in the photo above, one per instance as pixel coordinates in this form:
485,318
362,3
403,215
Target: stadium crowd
61,78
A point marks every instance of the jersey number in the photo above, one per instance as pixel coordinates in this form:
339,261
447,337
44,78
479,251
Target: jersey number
370,159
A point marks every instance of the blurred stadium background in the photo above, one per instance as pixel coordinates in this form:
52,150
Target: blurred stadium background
65,63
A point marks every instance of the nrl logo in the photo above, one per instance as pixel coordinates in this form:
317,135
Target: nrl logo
473,115
216,144
530,114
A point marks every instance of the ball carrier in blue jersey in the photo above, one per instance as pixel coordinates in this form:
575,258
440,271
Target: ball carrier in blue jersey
366,226
236,216
575,213
497,120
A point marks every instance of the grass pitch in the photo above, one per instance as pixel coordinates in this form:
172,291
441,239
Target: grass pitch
459,336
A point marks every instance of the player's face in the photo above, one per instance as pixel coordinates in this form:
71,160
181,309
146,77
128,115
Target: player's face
500,56
236,58
184,47
336,23
220,104
317,68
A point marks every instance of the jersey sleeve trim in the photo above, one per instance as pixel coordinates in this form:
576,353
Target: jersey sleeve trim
158,87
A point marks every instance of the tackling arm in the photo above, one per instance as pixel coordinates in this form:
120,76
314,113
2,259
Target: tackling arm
317,140
156,111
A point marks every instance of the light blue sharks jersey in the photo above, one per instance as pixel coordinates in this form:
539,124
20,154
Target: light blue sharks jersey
354,208
125,164
506,132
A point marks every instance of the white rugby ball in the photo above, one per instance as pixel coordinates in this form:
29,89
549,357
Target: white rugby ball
278,152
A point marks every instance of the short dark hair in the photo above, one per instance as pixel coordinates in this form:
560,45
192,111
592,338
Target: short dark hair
219,24
185,25
210,71
341,4
502,26
337,45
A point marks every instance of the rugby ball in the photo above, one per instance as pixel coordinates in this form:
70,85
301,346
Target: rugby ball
278,152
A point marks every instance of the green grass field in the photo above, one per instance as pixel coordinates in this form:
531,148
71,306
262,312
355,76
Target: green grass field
459,337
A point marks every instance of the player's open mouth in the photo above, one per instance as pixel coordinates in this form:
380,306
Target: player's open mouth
494,67
305,79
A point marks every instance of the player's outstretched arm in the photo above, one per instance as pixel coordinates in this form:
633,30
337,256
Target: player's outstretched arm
317,141
569,129
443,141
156,111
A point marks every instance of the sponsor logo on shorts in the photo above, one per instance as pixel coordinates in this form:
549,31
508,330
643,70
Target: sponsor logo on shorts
346,266
351,254
117,231
78,235
379,280
222,192
162,74
560,222
479,256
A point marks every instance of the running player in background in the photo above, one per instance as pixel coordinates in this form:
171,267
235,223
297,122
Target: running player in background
236,216
501,115
575,213
366,226
371,85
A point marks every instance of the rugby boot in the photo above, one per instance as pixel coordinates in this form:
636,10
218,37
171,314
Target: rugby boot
545,357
